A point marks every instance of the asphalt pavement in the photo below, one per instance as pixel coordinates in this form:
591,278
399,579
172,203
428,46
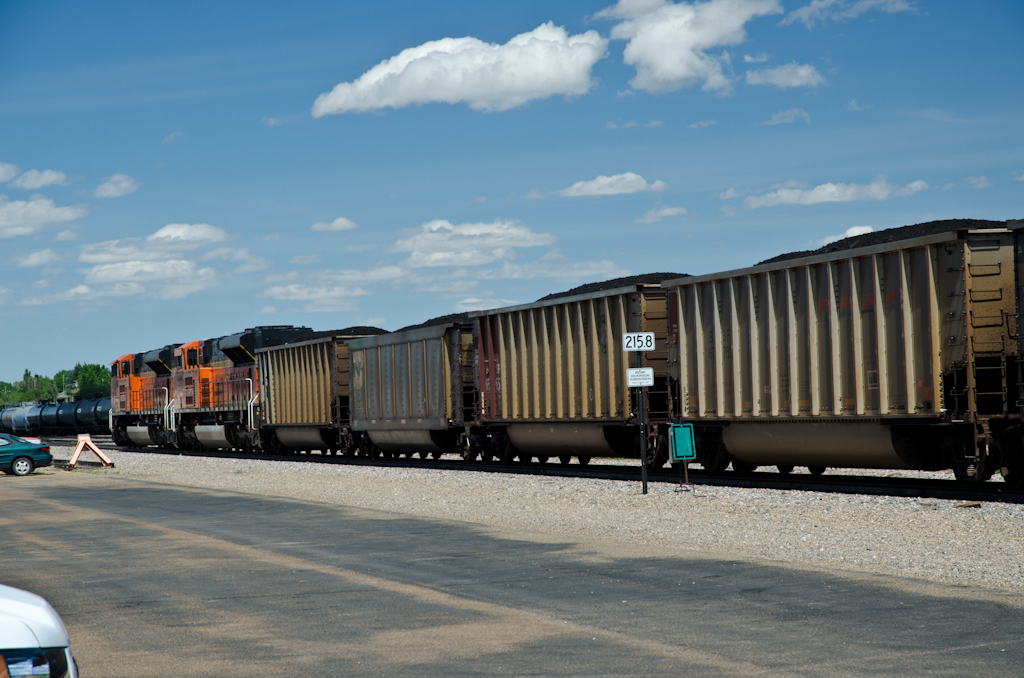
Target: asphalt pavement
156,580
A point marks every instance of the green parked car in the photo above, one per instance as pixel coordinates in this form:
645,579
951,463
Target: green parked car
19,457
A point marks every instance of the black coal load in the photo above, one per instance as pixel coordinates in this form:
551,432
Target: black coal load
890,235
440,320
642,279
356,331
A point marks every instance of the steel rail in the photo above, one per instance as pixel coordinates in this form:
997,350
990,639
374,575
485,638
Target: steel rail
921,488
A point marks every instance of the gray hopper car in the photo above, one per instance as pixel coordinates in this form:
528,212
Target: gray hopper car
304,396
895,356
412,391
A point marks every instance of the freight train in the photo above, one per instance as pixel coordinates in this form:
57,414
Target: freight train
897,350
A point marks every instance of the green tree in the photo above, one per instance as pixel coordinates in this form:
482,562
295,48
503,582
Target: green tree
93,381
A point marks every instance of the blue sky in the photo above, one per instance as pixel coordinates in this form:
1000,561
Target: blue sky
178,171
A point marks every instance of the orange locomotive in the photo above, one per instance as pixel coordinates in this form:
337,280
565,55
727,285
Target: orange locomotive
140,397
194,395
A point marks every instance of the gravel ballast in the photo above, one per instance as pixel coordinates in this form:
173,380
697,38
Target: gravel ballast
932,540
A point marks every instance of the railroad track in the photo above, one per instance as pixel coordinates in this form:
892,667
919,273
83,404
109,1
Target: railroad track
834,484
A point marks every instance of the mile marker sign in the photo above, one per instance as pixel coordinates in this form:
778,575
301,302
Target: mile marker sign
638,341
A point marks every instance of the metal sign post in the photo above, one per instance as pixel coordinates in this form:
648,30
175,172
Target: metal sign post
641,378
682,448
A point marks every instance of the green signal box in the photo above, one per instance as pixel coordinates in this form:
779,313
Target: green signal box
680,440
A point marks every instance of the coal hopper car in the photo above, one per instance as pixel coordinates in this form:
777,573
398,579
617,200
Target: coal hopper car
903,355
304,394
551,377
412,392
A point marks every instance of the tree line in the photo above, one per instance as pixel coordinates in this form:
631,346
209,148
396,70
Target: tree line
83,382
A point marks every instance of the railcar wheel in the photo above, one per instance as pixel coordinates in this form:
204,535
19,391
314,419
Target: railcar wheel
565,458
543,459
470,451
22,466
784,469
1012,459
370,451
1013,474
742,468
816,470
583,460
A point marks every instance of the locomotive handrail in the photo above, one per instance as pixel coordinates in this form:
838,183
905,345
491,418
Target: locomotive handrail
169,423
252,402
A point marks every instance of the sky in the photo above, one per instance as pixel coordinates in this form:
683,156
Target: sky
180,171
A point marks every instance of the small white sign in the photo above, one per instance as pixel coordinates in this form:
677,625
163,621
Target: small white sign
638,341
639,376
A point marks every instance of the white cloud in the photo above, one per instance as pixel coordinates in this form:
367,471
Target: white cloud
161,261
659,213
250,262
837,10
38,258
1020,178
789,75
633,123
669,43
948,187
267,310
733,193
879,189
759,59
304,259
369,275
277,122
189,233
700,124
172,137
34,179
477,304
440,243
84,293
535,65
115,186
616,184
792,115
318,298
64,236
848,233
339,224
854,106
176,278
979,182
7,172
25,217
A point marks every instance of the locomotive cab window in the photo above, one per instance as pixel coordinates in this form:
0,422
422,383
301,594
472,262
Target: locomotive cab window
192,358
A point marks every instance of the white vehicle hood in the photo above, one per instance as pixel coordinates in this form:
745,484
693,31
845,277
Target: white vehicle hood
27,620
